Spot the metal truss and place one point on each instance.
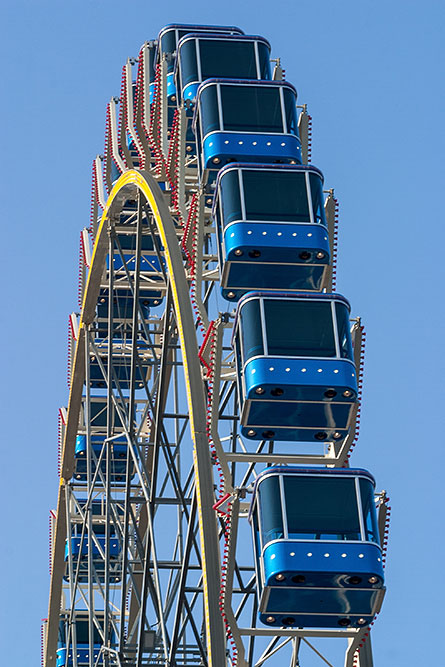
(151, 541)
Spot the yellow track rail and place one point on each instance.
(129, 184)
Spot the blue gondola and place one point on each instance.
(150, 266)
(149, 263)
(317, 549)
(123, 303)
(117, 465)
(79, 546)
(205, 56)
(127, 242)
(79, 551)
(238, 120)
(271, 228)
(296, 374)
(79, 641)
(168, 40)
(202, 56)
(121, 359)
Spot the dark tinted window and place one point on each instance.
(276, 196)
(189, 69)
(168, 46)
(229, 60)
(256, 537)
(317, 198)
(251, 109)
(99, 528)
(344, 334)
(290, 111)
(209, 110)
(168, 42)
(308, 332)
(61, 639)
(264, 58)
(82, 633)
(271, 516)
(230, 197)
(369, 511)
(250, 328)
(321, 508)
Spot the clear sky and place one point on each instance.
(372, 74)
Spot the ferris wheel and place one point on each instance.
(207, 510)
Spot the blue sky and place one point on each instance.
(372, 75)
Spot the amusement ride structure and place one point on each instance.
(207, 511)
